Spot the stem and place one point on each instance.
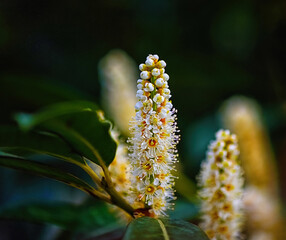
(100, 195)
(117, 200)
(153, 93)
(107, 184)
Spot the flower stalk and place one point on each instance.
(154, 138)
(221, 189)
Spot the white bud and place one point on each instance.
(139, 80)
(149, 62)
(149, 87)
(166, 91)
(156, 72)
(138, 105)
(145, 75)
(161, 64)
(156, 57)
(139, 86)
(142, 67)
(159, 82)
(166, 77)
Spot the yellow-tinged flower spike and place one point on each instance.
(117, 72)
(154, 138)
(262, 206)
(242, 116)
(221, 189)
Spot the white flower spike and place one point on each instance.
(154, 138)
(221, 181)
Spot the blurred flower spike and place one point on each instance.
(221, 193)
(154, 138)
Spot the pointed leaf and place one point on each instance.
(45, 171)
(79, 123)
(147, 228)
(28, 121)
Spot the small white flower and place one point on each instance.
(149, 62)
(156, 72)
(166, 77)
(139, 86)
(159, 82)
(161, 64)
(166, 91)
(163, 113)
(139, 81)
(169, 105)
(149, 87)
(156, 57)
(145, 75)
(158, 98)
(142, 67)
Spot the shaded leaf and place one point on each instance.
(163, 229)
(12, 138)
(88, 216)
(79, 123)
(45, 171)
(28, 121)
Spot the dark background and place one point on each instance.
(213, 49)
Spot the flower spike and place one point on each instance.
(154, 138)
(221, 189)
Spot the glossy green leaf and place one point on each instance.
(79, 123)
(45, 171)
(163, 229)
(12, 138)
(89, 216)
(28, 121)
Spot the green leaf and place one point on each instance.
(45, 171)
(12, 138)
(79, 123)
(163, 229)
(91, 215)
(29, 121)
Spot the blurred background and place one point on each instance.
(50, 51)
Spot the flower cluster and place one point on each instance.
(243, 116)
(117, 72)
(152, 151)
(221, 193)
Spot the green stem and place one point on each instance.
(153, 93)
(107, 184)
